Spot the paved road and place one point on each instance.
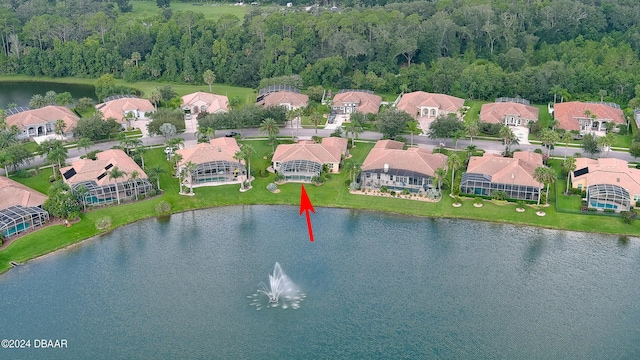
(420, 140)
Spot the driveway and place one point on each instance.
(522, 133)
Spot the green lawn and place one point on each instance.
(38, 182)
(333, 193)
(210, 11)
(474, 109)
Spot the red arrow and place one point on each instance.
(305, 206)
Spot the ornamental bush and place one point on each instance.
(163, 208)
(272, 187)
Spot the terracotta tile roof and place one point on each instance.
(336, 142)
(13, 193)
(285, 97)
(386, 152)
(213, 102)
(517, 170)
(369, 103)
(609, 171)
(568, 113)
(90, 170)
(494, 112)
(43, 115)
(222, 148)
(304, 151)
(116, 108)
(412, 102)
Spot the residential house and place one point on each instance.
(92, 180)
(508, 113)
(587, 117)
(304, 161)
(291, 100)
(390, 166)
(350, 101)
(20, 208)
(124, 108)
(426, 107)
(609, 183)
(491, 172)
(199, 102)
(41, 122)
(215, 163)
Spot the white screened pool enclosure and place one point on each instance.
(481, 185)
(16, 219)
(608, 196)
(300, 170)
(397, 180)
(218, 172)
(92, 194)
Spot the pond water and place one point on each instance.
(377, 286)
(21, 92)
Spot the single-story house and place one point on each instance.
(20, 207)
(198, 102)
(91, 179)
(123, 108)
(350, 101)
(587, 117)
(390, 166)
(420, 104)
(215, 163)
(508, 113)
(609, 183)
(41, 122)
(304, 161)
(514, 176)
(289, 99)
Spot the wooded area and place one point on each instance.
(535, 49)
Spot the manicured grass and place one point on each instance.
(38, 182)
(210, 11)
(474, 109)
(333, 193)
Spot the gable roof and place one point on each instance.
(608, 171)
(517, 170)
(285, 97)
(13, 193)
(215, 103)
(338, 142)
(368, 103)
(568, 114)
(116, 108)
(389, 154)
(98, 170)
(319, 153)
(412, 102)
(218, 149)
(43, 115)
(494, 112)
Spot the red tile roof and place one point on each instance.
(495, 112)
(609, 171)
(43, 115)
(369, 103)
(517, 170)
(13, 193)
(312, 152)
(412, 102)
(116, 108)
(568, 113)
(285, 98)
(213, 102)
(88, 170)
(391, 154)
(223, 148)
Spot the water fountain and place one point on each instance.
(280, 291)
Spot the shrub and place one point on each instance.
(638, 203)
(354, 186)
(499, 195)
(538, 151)
(347, 182)
(272, 187)
(104, 223)
(609, 210)
(628, 216)
(336, 133)
(402, 139)
(392, 193)
(279, 177)
(22, 173)
(318, 179)
(152, 192)
(477, 200)
(405, 191)
(383, 189)
(263, 173)
(92, 154)
(457, 200)
(520, 203)
(163, 208)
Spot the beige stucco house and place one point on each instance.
(609, 183)
(41, 122)
(304, 161)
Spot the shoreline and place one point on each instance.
(483, 220)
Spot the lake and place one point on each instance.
(21, 92)
(377, 286)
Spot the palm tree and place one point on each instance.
(175, 160)
(549, 138)
(457, 135)
(115, 174)
(175, 143)
(135, 57)
(471, 129)
(414, 128)
(248, 150)
(453, 162)
(507, 135)
(270, 128)
(155, 97)
(209, 78)
(37, 101)
(606, 141)
(470, 150)
(190, 167)
(316, 119)
(555, 90)
(544, 175)
(59, 127)
(602, 94)
(134, 176)
(569, 165)
(239, 155)
(440, 174)
(140, 149)
(566, 138)
(354, 170)
(56, 153)
(8, 138)
(86, 144)
(154, 172)
(82, 191)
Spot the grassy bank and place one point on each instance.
(333, 193)
(246, 95)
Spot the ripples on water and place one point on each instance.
(376, 286)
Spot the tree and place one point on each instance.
(508, 137)
(8, 137)
(440, 174)
(62, 202)
(316, 119)
(37, 101)
(606, 141)
(458, 134)
(354, 169)
(163, 4)
(248, 150)
(602, 93)
(154, 173)
(55, 151)
(209, 78)
(549, 138)
(590, 144)
(566, 138)
(544, 175)
(190, 167)
(133, 180)
(270, 128)
(471, 129)
(64, 99)
(135, 57)
(155, 97)
(392, 122)
(444, 127)
(414, 128)
(59, 127)
(174, 117)
(15, 156)
(569, 165)
(50, 97)
(105, 86)
(239, 155)
(175, 143)
(139, 150)
(453, 162)
(634, 149)
(115, 174)
(168, 130)
(555, 90)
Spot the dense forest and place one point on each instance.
(479, 49)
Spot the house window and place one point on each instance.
(390, 177)
(579, 186)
